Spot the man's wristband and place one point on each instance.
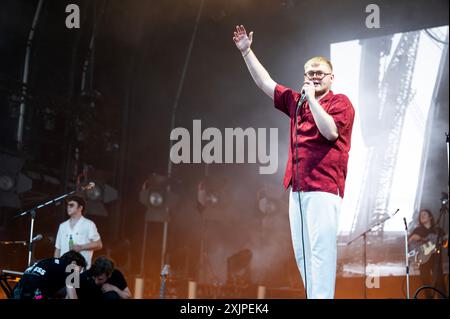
(245, 54)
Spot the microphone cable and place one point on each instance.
(300, 102)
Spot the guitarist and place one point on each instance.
(431, 272)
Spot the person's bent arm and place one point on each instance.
(413, 238)
(257, 71)
(123, 294)
(94, 245)
(324, 121)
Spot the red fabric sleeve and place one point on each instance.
(285, 99)
(341, 109)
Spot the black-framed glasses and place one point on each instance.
(70, 205)
(316, 74)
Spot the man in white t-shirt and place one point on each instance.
(77, 233)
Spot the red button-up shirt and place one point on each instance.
(322, 164)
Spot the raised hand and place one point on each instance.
(242, 41)
(257, 71)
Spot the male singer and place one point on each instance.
(320, 138)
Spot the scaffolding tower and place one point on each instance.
(384, 134)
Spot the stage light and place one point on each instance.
(158, 196)
(101, 192)
(213, 198)
(98, 195)
(269, 199)
(6, 183)
(444, 199)
(206, 196)
(156, 199)
(266, 204)
(12, 181)
(94, 194)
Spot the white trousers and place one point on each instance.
(320, 212)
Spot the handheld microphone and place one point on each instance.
(37, 238)
(302, 99)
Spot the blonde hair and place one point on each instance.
(319, 59)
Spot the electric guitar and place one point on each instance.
(422, 251)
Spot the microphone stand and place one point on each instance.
(364, 236)
(440, 223)
(448, 169)
(406, 258)
(32, 213)
(448, 172)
